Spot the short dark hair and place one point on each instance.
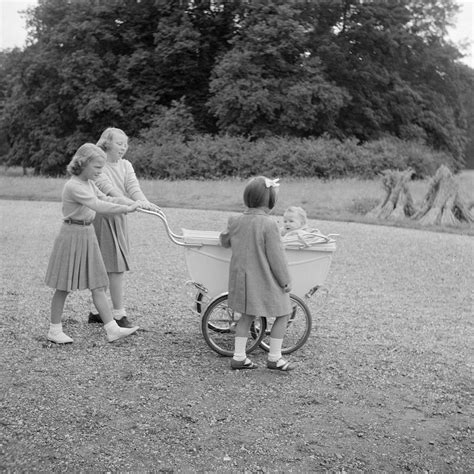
(256, 194)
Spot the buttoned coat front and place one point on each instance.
(258, 269)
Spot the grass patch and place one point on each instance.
(339, 200)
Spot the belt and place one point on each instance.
(72, 221)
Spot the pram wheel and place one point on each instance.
(218, 328)
(297, 331)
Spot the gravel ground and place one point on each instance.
(383, 384)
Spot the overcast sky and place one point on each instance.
(12, 31)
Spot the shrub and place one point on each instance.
(170, 123)
(177, 156)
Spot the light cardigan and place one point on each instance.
(81, 200)
(120, 176)
(258, 270)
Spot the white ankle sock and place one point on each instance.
(112, 327)
(239, 350)
(55, 328)
(275, 349)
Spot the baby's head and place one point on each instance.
(261, 192)
(294, 218)
(112, 136)
(83, 156)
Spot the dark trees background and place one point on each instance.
(342, 69)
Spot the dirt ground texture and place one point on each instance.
(384, 382)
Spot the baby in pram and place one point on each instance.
(296, 230)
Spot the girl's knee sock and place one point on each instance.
(240, 346)
(275, 349)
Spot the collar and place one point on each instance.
(76, 178)
(257, 211)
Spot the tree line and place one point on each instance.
(342, 69)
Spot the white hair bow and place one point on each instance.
(272, 183)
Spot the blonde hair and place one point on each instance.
(299, 212)
(83, 156)
(107, 136)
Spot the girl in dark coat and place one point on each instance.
(259, 280)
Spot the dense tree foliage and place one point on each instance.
(467, 99)
(344, 69)
(268, 83)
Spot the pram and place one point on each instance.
(208, 266)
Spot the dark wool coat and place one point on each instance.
(258, 268)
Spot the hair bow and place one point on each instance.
(272, 183)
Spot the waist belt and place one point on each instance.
(73, 221)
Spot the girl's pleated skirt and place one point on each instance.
(112, 234)
(76, 261)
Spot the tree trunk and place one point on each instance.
(398, 202)
(443, 204)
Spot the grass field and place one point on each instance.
(384, 383)
(344, 199)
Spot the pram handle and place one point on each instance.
(175, 238)
(180, 240)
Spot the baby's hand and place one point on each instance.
(287, 288)
(133, 207)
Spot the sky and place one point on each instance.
(12, 31)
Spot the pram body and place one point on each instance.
(208, 267)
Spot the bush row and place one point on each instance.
(217, 157)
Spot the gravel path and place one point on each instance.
(384, 382)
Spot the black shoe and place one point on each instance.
(124, 322)
(94, 318)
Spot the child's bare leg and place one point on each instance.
(243, 326)
(116, 294)
(114, 331)
(100, 302)
(55, 333)
(57, 305)
(279, 327)
(275, 360)
(116, 289)
(239, 360)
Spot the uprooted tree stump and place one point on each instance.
(398, 202)
(443, 204)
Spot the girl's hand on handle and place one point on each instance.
(155, 208)
(142, 204)
(149, 206)
(133, 207)
(152, 207)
